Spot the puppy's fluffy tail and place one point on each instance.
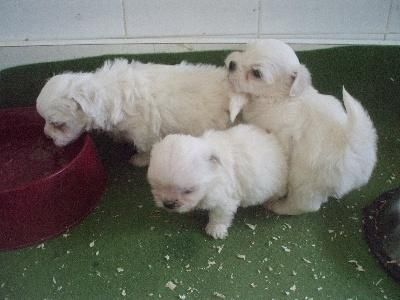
(360, 154)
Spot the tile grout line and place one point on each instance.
(259, 19)
(387, 20)
(124, 17)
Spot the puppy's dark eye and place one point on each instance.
(232, 66)
(188, 191)
(58, 125)
(256, 73)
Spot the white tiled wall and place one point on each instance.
(122, 24)
(22, 20)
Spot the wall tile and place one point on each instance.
(58, 19)
(323, 16)
(394, 18)
(191, 17)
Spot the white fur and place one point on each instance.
(139, 102)
(331, 150)
(218, 172)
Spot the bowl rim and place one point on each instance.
(85, 143)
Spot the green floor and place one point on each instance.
(129, 249)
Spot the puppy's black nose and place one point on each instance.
(170, 204)
(232, 66)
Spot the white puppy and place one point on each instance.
(331, 151)
(139, 102)
(219, 172)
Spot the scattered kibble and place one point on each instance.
(359, 268)
(219, 295)
(170, 285)
(306, 260)
(219, 248)
(241, 256)
(252, 227)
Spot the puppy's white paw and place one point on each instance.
(217, 231)
(140, 159)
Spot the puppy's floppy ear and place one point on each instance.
(236, 104)
(90, 99)
(301, 81)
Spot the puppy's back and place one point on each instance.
(259, 163)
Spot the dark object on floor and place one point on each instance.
(44, 189)
(382, 230)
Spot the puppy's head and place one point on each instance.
(181, 172)
(60, 103)
(267, 68)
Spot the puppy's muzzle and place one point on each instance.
(171, 204)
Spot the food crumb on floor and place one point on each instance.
(170, 285)
(306, 260)
(219, 248)
(241, 256)
(219, 295)
(359, 268)
(251, 226)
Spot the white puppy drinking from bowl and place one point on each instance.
(331, 150)
(218, 172)
(140, 103)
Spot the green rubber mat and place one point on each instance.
(129, 249)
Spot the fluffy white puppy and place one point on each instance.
(218, 172)
(138, 102)
(331, 150)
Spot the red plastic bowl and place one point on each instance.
(44, 190)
